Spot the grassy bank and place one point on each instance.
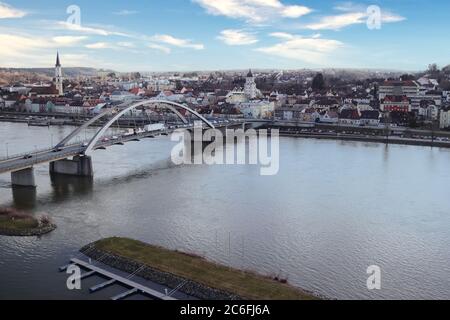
(16, 223)
(242, 283)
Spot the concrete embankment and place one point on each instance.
(384, 140)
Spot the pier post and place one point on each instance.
(78, 166)
(23, 178)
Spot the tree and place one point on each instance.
(445, 85)
(318, 82)
(433, 68)
(407, 77)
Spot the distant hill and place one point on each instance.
(9, 75)
(69, 72)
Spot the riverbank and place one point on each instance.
(18, 224)
(374, 139)
(203, 279)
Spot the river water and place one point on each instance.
(334, 209)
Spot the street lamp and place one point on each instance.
(7, 151)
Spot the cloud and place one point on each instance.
(125, 12)
(309, 49)
(353, 14)
(237, 37)
(62, 25)
(339, 21)
(99, 45)
(68, 40)
(253, 11)
(8, 12)
(159, 47)
(182, 43)
(127, 46)
(29, 50)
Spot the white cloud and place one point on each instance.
(125, 12)
(353, 14)
(237, 37)
(388, 17)
(126, 44)
(62, 25)
(112, 46)
(282, 35)
(8, 12)
(254, 11)
(339, 21)
(182, 43)
(309, 49)
(159, 47)
(68, 40)
(28, 50)
(99, 45)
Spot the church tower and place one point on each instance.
(250, 89)
(58, 76)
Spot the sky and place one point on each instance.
(188, 35)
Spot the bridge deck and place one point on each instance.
(28, 160)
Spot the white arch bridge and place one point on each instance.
(22, 166)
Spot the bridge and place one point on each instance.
(21, 166)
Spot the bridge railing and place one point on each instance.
(37, 151)
(23, 154)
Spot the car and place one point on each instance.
(105, 140)
(57, 150)
(28, 156)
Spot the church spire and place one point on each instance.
(58, 64)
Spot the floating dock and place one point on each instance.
(133, 286)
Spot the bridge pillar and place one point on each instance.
(23, 178)
(78, 166)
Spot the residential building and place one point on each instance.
(398, 88)
(395, 103)
(350, 117)
(370, 118)
(444, 118)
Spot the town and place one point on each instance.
(416, 101)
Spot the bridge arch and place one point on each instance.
(123, 110)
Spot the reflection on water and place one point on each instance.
(24, 197)
(66, 187)
(333, 210)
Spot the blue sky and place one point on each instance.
(160, 35)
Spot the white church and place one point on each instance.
(58, 81)
(250, 101)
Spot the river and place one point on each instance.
(333, 209)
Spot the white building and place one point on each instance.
(444, 118)
(257, 109)
(398, 88)
(122, 96)
(249, 93)
(250, 89)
